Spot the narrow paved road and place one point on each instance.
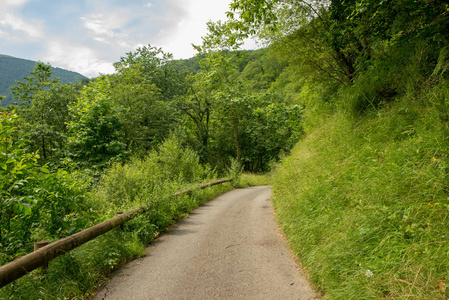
(230, 248)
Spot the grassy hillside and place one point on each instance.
(12, 69)
(364, 201)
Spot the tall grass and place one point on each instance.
(364, 200)
(250, 179)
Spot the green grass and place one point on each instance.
(364, 201)
(250, 179)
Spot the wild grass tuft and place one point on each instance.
(365, 202)
(250, 179)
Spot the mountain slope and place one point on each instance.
(12, 69)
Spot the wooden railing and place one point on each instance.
(25, 264)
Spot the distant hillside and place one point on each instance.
(12, 69)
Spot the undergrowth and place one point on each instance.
(364, 200)
(141, 182)
(76, 274)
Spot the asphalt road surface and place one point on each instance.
(230, 248)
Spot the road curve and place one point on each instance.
(230, 248)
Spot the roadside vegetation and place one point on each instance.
(68, 202)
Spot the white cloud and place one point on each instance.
(4, 3)
(97, 24)
(149, 4)
(108, 28)
(80, 59)
(101, 39)
(191, 26)
(124, 44)
(18, 24)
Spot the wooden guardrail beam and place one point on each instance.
(25, 264)
(201, 187)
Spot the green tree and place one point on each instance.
(44, 107)
(229, 113)
(143, 88)
(262, 128)
(198, 103)
(95, 129)
(17, 168)
(335, 38)
(155, 68)
(38, 81)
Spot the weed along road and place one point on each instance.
(230, 248)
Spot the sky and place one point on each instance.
(87, 36)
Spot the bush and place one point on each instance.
(35, 203)
(160, 173)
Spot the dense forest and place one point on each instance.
(360, 87)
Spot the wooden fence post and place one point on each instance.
(39, 245)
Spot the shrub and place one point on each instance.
(161, 172)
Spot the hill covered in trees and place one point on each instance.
(14, 69)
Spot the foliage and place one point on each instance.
(187, 66)
(37, 82)
(235, 172)
(227, 109)
(197, 105)
(155, 68)
(143, 87)
(52, 204)
(18, 169)
(262, 70)
(95, 128)
(142, 114)
(44, 108)
(35, 203)
(337, 39)
(160, 173)
(264, 129)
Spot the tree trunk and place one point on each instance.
(43, 147)
(239, 159)
(1, 222)
(256, 168)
